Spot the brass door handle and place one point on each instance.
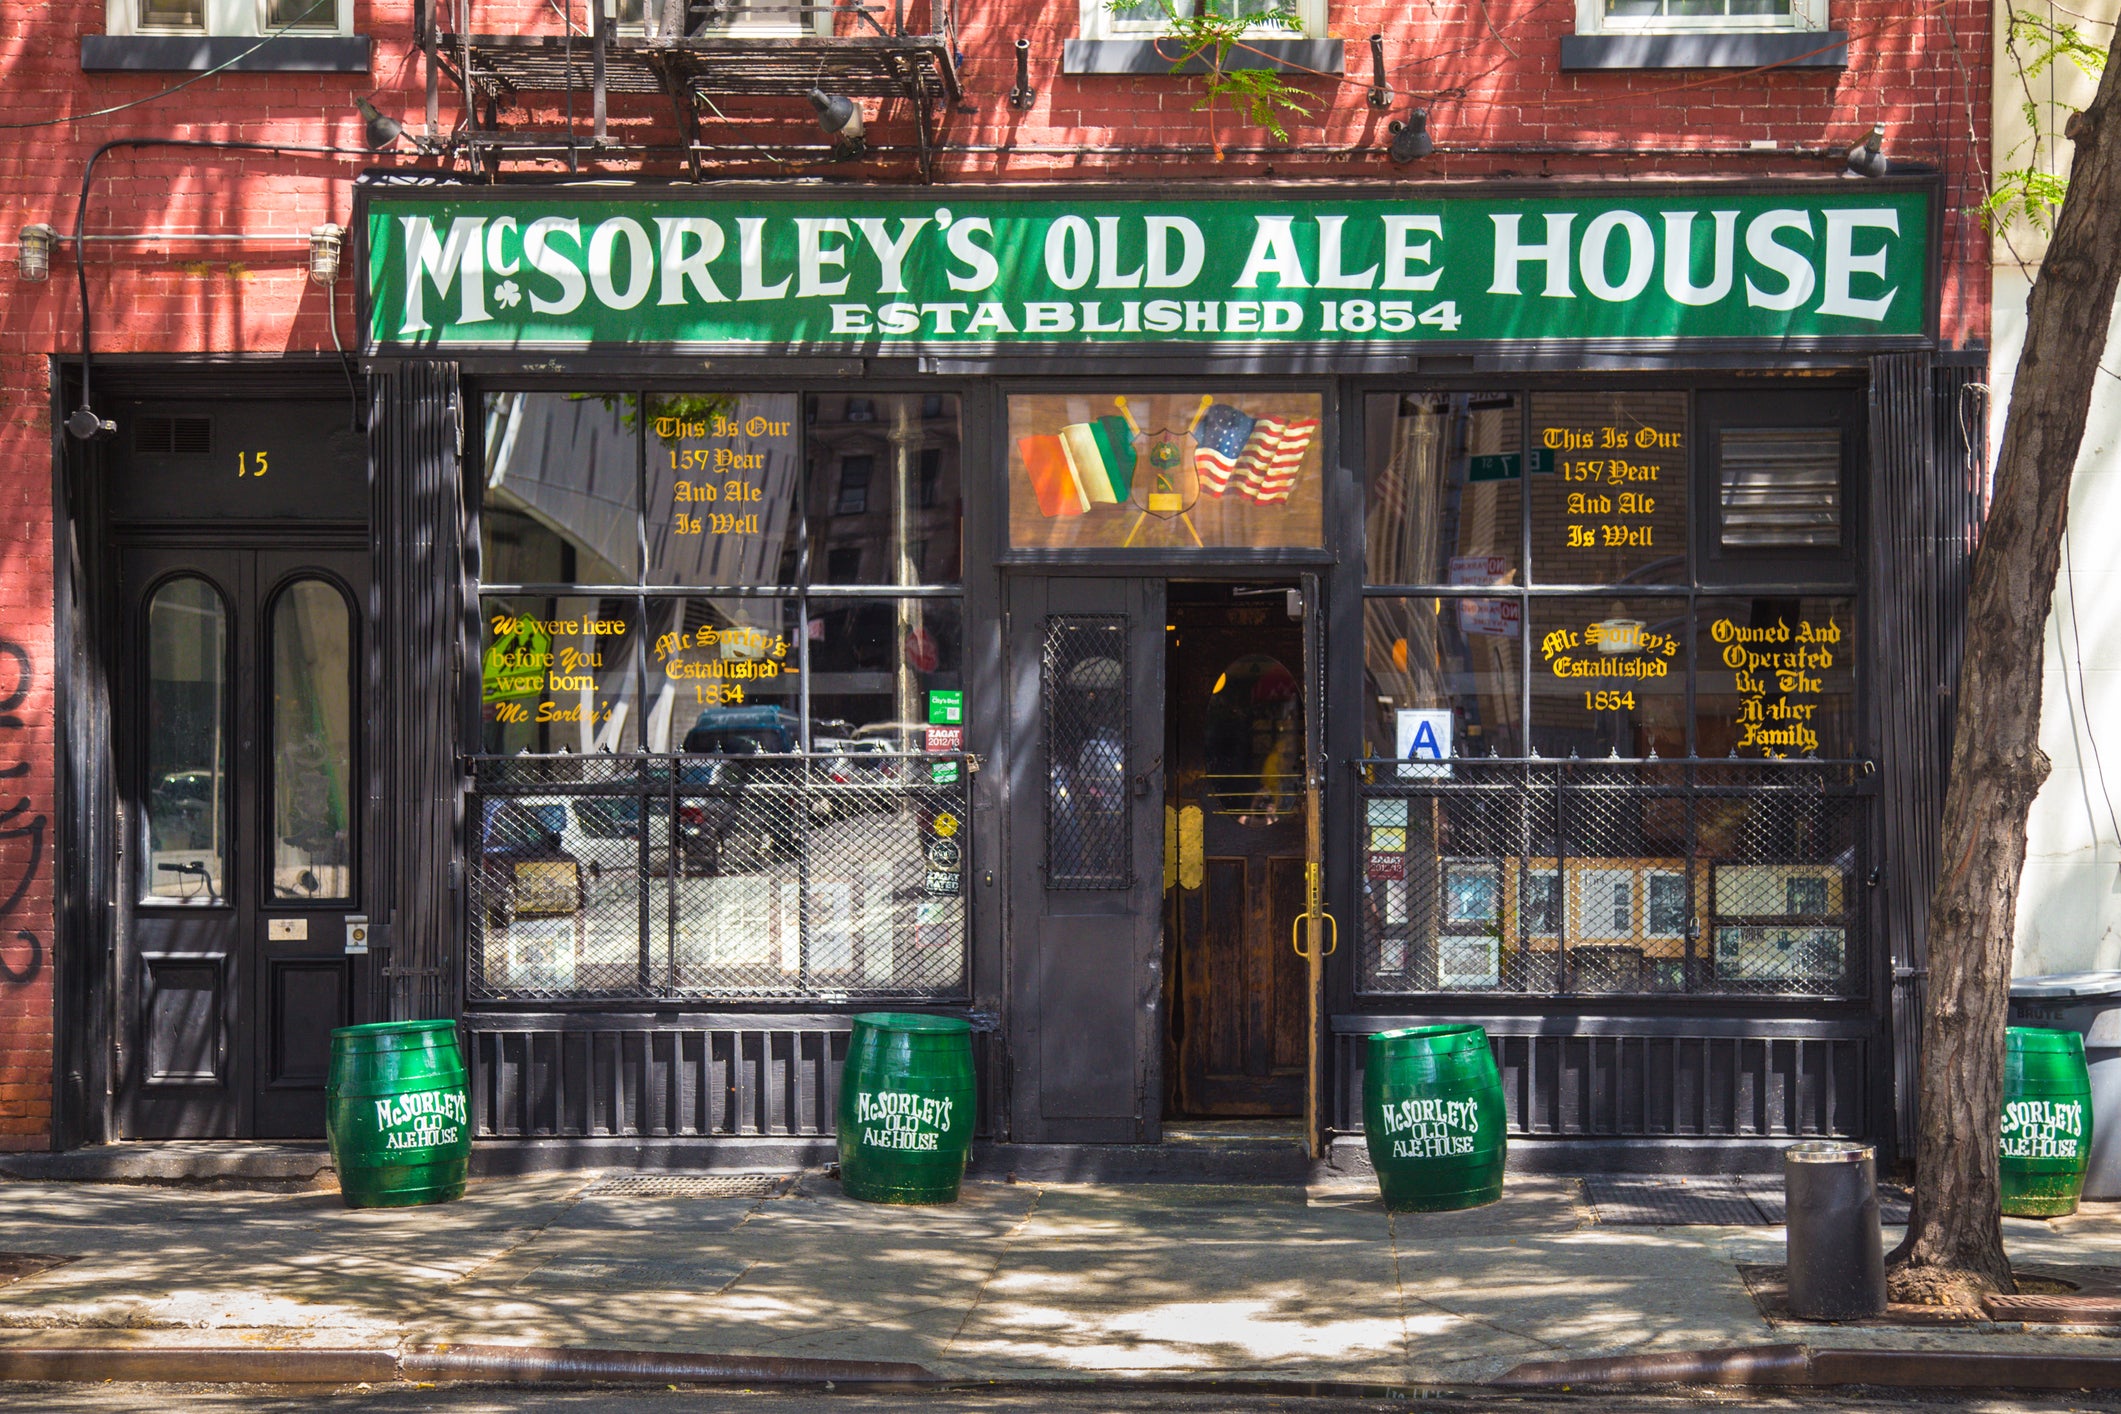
(1296, 929)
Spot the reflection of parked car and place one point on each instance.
(743, 807)
(527, 870)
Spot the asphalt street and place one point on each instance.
(1087, 1398)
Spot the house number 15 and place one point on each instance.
(250, 464)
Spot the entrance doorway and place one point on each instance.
(1235, 1005)
(239, 569)
(238, 731)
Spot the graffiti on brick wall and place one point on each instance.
(22, 960)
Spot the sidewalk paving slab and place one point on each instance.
(1015, 1281)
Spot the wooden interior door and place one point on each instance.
(1234, 871)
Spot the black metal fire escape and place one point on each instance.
(693, 54)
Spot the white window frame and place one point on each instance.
(780, 27)
(1805, 16)
(241, 19)
(1099, 22)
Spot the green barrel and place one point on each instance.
(1433, 1115)
(906, 1108)
(2047, 1121)
(398, 1113)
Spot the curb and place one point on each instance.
(1798, 1365)
(458, 1364)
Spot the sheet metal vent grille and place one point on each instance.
(166, 435)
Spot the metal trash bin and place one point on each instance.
(1836, 1255)
(2088, 1003)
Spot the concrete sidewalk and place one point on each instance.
(1015, 1281)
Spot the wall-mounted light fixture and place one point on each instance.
(1410, 140)
(1380, 91)
(34, 262)
(379, 130)
(324, 244)
(1867, 158)
(1023, 95)
(841, 119)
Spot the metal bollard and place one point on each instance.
(1836, 1256)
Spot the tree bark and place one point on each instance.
(1954, 1246)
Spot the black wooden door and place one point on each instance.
(1085, 780)
(238, 731)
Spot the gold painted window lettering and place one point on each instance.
(1609, 676)
(1777, 677)
(723, 477)
(557, 673)
(1615, 509)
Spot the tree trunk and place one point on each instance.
(1954, 1246)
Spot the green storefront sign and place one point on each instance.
(849, 271)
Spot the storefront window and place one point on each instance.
(559, 500)
(1609, 676)
(719, 781)
(1162, 471)
(558, 673)
(1445, 502)
(1674, 802)
(1777, 677)
(1615, 509)
(885, 500)
(1443, 678)
(876, 665)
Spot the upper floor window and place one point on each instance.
(1146, 19)
(229, 17)
(1697, 16)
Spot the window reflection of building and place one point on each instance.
(884, 472)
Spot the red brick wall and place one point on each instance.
(1486, 69)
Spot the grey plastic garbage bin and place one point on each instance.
(2088, 1003)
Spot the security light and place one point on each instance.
(1410, 140)
(1867, 158)
(324, 243)
(35, 261)
(841, 121)
(380, 130)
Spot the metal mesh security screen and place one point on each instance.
(1083, 688)
(1579, 877)
(716, 876)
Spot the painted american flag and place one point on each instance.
(1259, 456)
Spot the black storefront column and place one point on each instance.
(416, 437)
(1928, 478)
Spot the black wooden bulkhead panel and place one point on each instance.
(603, 1076)
(1669, 1078)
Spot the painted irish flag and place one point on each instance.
(1085, 464)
